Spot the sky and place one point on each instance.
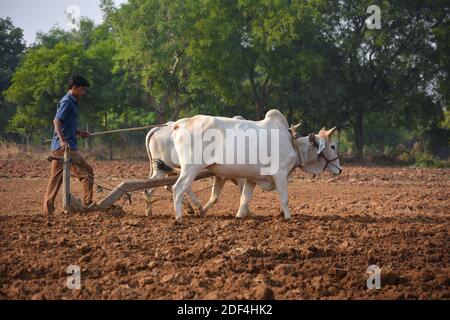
(33, 16)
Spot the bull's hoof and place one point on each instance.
(199, 212)
(189, 210)
(178, 221)
(282, 215)
(240, 216)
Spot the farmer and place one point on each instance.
(65, 136)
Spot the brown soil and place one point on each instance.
(396, 218)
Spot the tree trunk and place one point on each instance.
(27, 137)
(161, 116)
(260, 104)
(359, 136)
(290, 118)
(160, 107)
(108, 139)
(339, 137)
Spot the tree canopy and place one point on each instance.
(317, 61)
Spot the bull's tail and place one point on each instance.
(147, 147)
(162, 166)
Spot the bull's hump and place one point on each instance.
(275, 114)
(189, 123)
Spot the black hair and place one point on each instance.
(78, 81)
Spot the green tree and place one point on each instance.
(39, 83)
(151, 51)
(242, 50)
(41, 80)
(26, 122)
(387, 70)
(11, 50)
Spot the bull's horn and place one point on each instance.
(323, 129)
(295, 127)
(330, 132)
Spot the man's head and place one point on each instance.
(78, 86)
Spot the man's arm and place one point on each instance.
(58, 129)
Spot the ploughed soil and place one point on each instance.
(396, 218)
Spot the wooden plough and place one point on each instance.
(73, 204)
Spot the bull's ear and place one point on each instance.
(321, 145)
(330, 132)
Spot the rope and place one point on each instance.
(126, 196)
(100, 188)
(126, 130)
(93, 134)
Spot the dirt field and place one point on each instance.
(396, 218)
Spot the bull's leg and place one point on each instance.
(196, 202)
(281, 183)
(184, 182)
(246, 195)
(218, 184)
(241, 183)
(149, 192)
(186, 204)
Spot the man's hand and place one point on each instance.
(64, 144)
(83, 134)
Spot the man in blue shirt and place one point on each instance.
(65, 136)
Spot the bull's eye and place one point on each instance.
(333, 147)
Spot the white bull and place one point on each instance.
(164, 161)
(313, 153)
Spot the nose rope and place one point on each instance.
(329, 161)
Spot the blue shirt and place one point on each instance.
(67, 113)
